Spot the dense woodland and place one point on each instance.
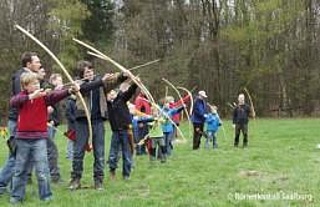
(271, 47)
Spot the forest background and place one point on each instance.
(270, 47)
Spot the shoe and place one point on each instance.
(112, 174)
(56, 180)
(98, 185)
(47, 199)
(29, 182)
(126, 177)
(163, 159)
(75, 184)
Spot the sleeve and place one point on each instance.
(18, 100)
(55, 96)
(184, 100)
(89, 86)
(129, 93)
(234, 119)
(109, 84)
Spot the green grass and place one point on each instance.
(281, 161)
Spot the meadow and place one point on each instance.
(279, 168)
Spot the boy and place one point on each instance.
(120, 121)
(157, 137)
(71, 118)
(240, 120)
(31, 135)
(213, 122)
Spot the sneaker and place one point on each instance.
(75, 184)
(47, 199)
(98, 185)
(56, 180)
(163, 159)
(126, 177)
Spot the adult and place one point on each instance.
(30, 62)
(94, 89)
(198, 118)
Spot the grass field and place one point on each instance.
(279, 168)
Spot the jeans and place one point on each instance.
(80, 143)
(28, 150)
(120, 139)
(70, 149)
(52, 151)
(7, 171)
(168, 142)
(211, 137)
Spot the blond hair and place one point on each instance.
(54, 76)
(27, 78)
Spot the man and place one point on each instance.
(30, 63)
(94, 89)
(240, 120)
(198, 118)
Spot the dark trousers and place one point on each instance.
(98, 145)
(197, 134)
(53, 154)
(142, 132)
(238, 129)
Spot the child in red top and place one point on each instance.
(31, 135)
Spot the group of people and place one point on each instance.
(144, 127)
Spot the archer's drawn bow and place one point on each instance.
(180, 97)
(120, 67)
(67, 75)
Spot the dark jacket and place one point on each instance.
(241, 114)
(94, 93)
(118, 111)
(71, 112)
(15, 89)
(199, 110)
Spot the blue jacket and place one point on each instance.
(199, 110)
(212, 122)
(167, 126)
(139, 119)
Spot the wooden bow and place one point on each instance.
(67, 75)
(168, 117)
(180, 97)
(253, 112)
(123, 69)
(191, 98)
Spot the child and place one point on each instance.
(120, 122)
(213, 122)
(31, 135)
(71, 118)
(157, 137)
(54, 120)
(167, 126)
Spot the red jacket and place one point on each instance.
(142, 104)
(185, 100)
(33, 115)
